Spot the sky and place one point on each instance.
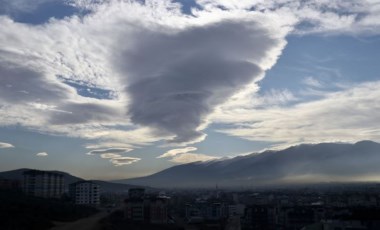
(114, 89)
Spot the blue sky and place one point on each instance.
(118, 89)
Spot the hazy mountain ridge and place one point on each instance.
(306, 163)
(106, 186)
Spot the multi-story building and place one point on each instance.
(236, 210)
(43, 184)
(142, 208)
(85, 192)
(8, 184)
(259, 217)
(206, 210)
(158, 208)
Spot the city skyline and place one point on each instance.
(119, 89)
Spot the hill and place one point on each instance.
(106, 187)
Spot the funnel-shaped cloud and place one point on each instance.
(176, 78)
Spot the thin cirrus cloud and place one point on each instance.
(17, 6)
(334, 16)
(349, 115)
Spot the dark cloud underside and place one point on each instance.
(176, 79)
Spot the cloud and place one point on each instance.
(174, 152)
(42, 154)
(191, 157)
(275, 97)
(110, 155)
(177, 79)
(36, 72)
(167, 71)
(312, 82)
(16, 6)
(309, 16)
(183, 155)
(349, 115)
(115, 155)
(120, 161)
(24, 84)
(110, 151)
(4, 145)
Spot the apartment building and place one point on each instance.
(44, 184)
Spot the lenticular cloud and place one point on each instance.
(177, 77)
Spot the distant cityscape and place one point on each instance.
(318, 207)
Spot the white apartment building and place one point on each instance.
(85, 192)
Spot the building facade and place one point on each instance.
(142, 208)
(7, 184)
(43, 184)
(85, 192)
(206, 211)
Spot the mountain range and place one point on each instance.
(302, 164)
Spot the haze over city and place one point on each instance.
(117, 89)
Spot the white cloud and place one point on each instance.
(326, 16)
(115, 155)
(275, 97)
(174, 152)
(110, 155)
(120, 161)
(191, 157)
(42, 154)
(183, 155)
(82, 50)
(350, 115)
(4, 145)
(109, 151)
(312, 82)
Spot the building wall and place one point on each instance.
(159, 211)
(141, 208)
(43, 184)
(85, 192)
(10, 184)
